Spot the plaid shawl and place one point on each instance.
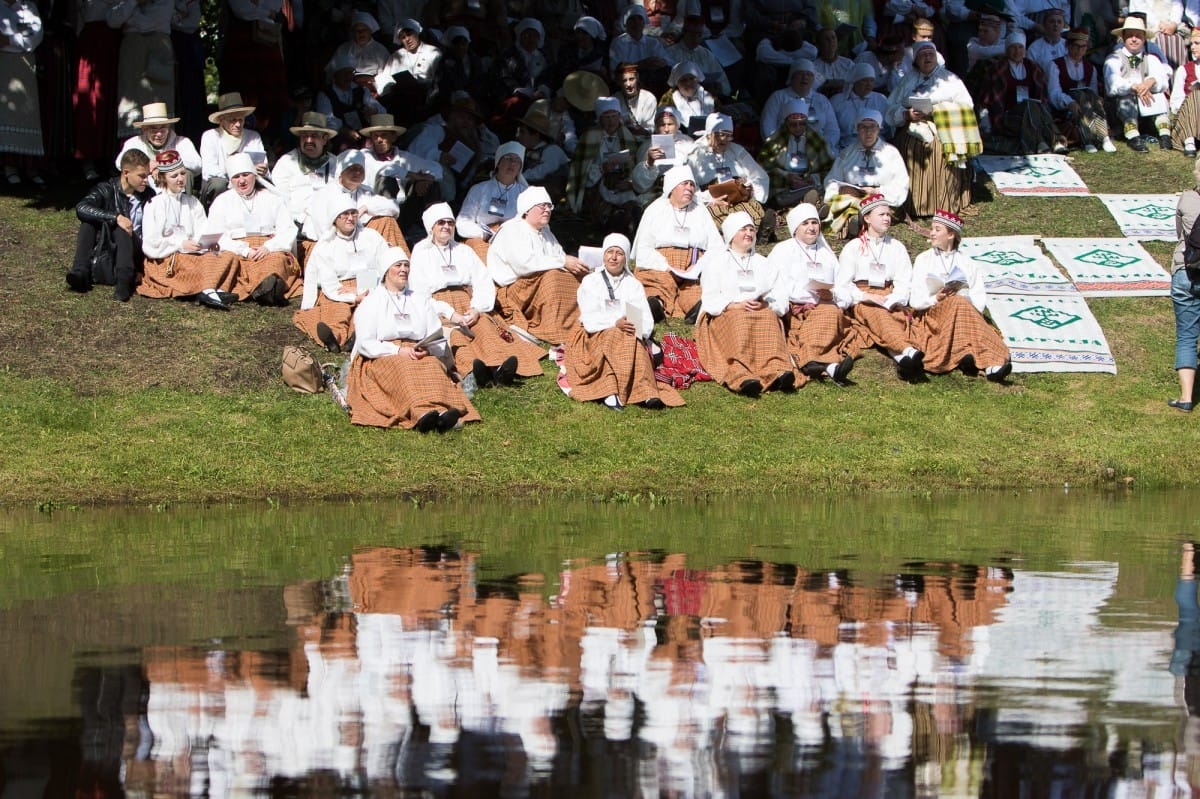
(1000, 87)
(586, 152)
(680, 363)
(957, 130)
(815, 149)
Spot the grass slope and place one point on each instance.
(159, 401)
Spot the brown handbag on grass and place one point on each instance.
(301, 372)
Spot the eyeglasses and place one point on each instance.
(446, 222)
(545, 206)
(723, 134)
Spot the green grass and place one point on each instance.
(159, 402)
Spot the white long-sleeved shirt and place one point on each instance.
(598, 311)
(644, 174)
(1044, 52)
(627, 50)
(939, 86)
(518, 250)
(820, 113)
(319, 224)
(486, 204)
(434, 268)
(876, 261)
(941, 265)
(800, 263)
(213, 154)
(640, 110)
(848, 108)
(663, 225)
(22, 25)
(337, 258)
(168, 221)
(263, 214)
(886, 173)
(186, 18)
(181, 144)
(708, 166)
(255, 10)
(702, 57)
(1059, 98)
(1179, 87)
(324, 104)
(422, 65)
(727, 277)
(385, 317)
(1120, 78)
(300, 186)
(397, 164)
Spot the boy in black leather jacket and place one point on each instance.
(108, 248)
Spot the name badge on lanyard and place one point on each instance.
(1022, 94)
(613, 304)
(724, 173)
(877, 275)
(746, 283)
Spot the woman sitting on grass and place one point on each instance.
(948, 298)
(606, 358)
(874, 274)
(341, 269)
(256, 226)
(458, 281)
(176, 263)
(396, 380)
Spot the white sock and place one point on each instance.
(831, 369)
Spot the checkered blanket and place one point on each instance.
(1110, 267)
(1033, 175)
(1143, 216)
(1051, 334)
(1015, 265)
(957, 130)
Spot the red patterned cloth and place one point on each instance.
(680, 365)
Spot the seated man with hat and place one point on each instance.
(157, 135)
(1138, 83)
(1072, 82)
(536, 281)
(546, 163)
(459, 140)
(398, 174)
(346, 102)
(302, 172)
(229, 137)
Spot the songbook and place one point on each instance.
(462, 155)
(208, 241)
(591, 257)
(634, 314)
(1158, 105)
(922, 104)
(691, 273)
(666, 143)
(955, 282)
(436, 337)
(725, 51)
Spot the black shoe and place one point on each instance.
(813, 369)
(264, 292)
(209, 299)
(1001, 373)
(79, 281)
(482, 373)
(447, 420)
(785, 382)
(656, 309)
(227, 297)
(349, 345)
(1164, 141)
(1137, 144)
(428, 422)
(911, 366)
(325, 334)
(123, 291)
(750, 388)
(654, 404)
(506, 372)
(279, 294)
(967, 365)
(692, 315)
(842, 370)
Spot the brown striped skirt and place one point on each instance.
(281, 264)
(953, 329)
(389, 228)
(338, 315)
(545, 304)
(396, 391)
(822, 333)
(613, 362)
(187, 274)
(493, 342)
(879, 327)
(678, 296)
(740, 345)
(933, 182)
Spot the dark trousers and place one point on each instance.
(126, 259)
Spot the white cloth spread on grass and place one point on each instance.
(1033, 175)
(1110, 267)
(1143, 216)
(1015, 265)
(1051, 334)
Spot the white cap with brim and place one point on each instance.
(800, 214)
(680, 173)
(1016, 37)
(681, 69)
(534, 195)
(733, 223)
(591, 26)
(434, 214)
(717, 121)
(797, 106)
(351, 158)
(862, 71)
(510, 148)
(616, 240)
(364, 18)
(871, 114)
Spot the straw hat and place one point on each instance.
(581, 88)
(461, 101)
(382, 122)
(155, 114)
(538, 120)
(230, 105)
(313, 122)
(1132, 24)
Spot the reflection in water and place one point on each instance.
(638, 676)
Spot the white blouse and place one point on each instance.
(168, 221)
(877, 262)
(434, 268)
(600, 311)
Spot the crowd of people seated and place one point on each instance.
(682, 137)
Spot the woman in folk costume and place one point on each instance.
(491, 203)
(176, 263)
(935, 145)
(1016, 103)
(869, 166)
(256, 226)
(718, 160)
(1185, 100)
(457, 279)
(375, 212)
(341, 269)
(691, 100)
(796, 157)
(1073, 83)
(599, 185)
(948, 298)
(536, 281)
(20, 117)
(874, 275)
(820, 337)
(393, 382)
(1137, 83)
(229, 137)
(675, 232)
(607, 359)
(739, 334)
(652, 162)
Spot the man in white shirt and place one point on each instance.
(157, 135)
(309, 168)
(1138, 82)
